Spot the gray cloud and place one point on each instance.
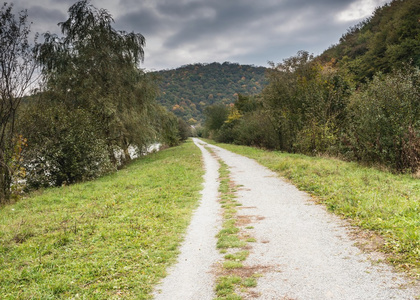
(145, 21)
(245, 31)
(48, 16)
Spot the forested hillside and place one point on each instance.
(359, 100)
(188, 90)
(388, 39)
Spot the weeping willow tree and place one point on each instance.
(95, 67)
(94, 103)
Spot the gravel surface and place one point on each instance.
(193, 277)
(301, 251)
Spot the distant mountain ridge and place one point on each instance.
(188, 90)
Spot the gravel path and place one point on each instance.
(302, 251)
(193, 277)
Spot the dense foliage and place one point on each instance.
(360, 100)
(388, 39)
(93, 67)
(188, 90)
(384, 121)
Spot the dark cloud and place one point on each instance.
(228, 17)
(248, 18)
(181, 10)
(50, 16)
(145, 21)
(245, 31)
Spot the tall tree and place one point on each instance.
(17, 67)
(95, 67)
(306, 103)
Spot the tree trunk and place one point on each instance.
(5, 182)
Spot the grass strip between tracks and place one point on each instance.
(232, 241)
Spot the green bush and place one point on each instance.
(62, 148)
(227, 133)
(384, 125)
(184, 129)
(316, 138)
(256, 129)
(306, 102)
(216, 115)
(169, 128)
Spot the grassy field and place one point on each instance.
(110, 238)
(378, 201)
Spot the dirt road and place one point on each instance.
(303, 252)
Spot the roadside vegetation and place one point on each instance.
(378, 201)
(313, 109)
(359, 100)
(109, 238)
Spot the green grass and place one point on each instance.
(229, 238)
(229, 241)
(232, 264)
(249, 282)
(379, 201)
(251, 240)
(238, 256)
(225, 287)
(105, 239)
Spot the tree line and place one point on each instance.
(354, 101)
(90, 105)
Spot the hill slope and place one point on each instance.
(386, 40)
(187, 90)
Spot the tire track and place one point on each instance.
(192, 277)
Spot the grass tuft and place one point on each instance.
(237, 256)
(225, 287)
(232, 264)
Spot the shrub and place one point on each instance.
(384, 123)
(62, 148)
(256, 129)
(316, 138)
(227, 132)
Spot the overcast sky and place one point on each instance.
(180, 32)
